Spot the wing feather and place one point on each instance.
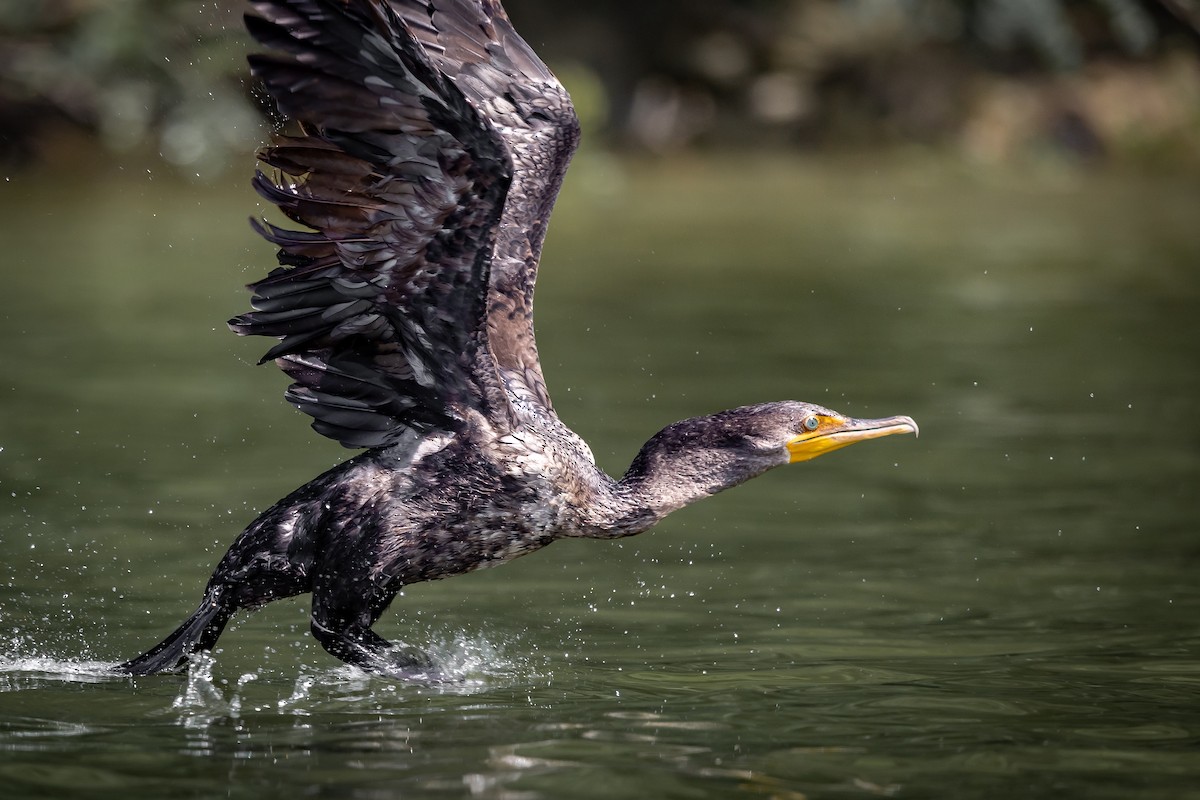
(474, 43)
(400, 182)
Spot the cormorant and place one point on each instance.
(427, 147)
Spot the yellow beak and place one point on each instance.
(834, 433)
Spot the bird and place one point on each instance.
(420, 146)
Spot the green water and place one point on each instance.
(1005, 607)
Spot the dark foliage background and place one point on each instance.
(995, 79)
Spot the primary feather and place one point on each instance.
(408, 299)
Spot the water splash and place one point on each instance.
(30, 672)
(455, 664)
(200, 693)
(473, 661)
(201, 700)
(27, 663)
(458, 664)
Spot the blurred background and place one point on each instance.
(979, 213)
(991, 80)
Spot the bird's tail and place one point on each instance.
(198, 632)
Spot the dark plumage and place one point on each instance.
(427, 148)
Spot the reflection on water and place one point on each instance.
(1006, 605)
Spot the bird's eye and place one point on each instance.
(811, 423)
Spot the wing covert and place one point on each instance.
(474, 43)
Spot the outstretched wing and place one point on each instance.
(380, 306)
(474, 43)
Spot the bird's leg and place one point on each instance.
(347, 635)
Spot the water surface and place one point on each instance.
(1006, 606)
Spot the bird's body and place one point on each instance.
(432, 142)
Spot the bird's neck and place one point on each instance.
(675, 468)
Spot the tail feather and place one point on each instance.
(198, 632)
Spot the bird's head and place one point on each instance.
(728, 447)
(773, 434)
(808, 431)
(701, 456)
